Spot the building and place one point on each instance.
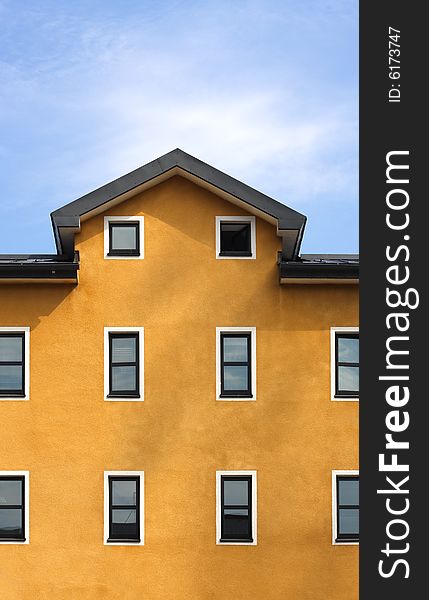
(178, 393)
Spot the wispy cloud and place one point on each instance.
(95, 95)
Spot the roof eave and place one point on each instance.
(39, 272)
(300, 272)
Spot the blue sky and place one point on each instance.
(265, 90)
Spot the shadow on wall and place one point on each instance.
(27, 304)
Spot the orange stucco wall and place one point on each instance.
(66, 435)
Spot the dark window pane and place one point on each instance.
(124, 349)
(124, 492)
(124, 524)
(235, 524)
(348, 491)
(124, 237)
(235, 492)
(10, 377)
(348, 350)
(10, 349)
(348, 379)
(235, 237)
(123, 379)
(235, 378)
(235, 349)
(348, 521)
(11, 522)
(10, 492)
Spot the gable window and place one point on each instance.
(124, 357)
(124, 507)
(235, 237)
(123, 237)
(13, 507)
(14, 367)
(345, 363)
(346, 507)
(236, 507)
(236, 363)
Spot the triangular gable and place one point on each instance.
(66, 220)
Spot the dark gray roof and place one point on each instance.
(40, 267)
(329, 257)
(31, 258)
(327, 267)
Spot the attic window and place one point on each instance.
(123, 237)
(235, 237)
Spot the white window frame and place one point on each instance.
(252, 331)
(140, 331)
(26, 332)
(108, 474)
(334, 331)
(252, 221)
(26, 475)
(335, 474)
(252, 474)
(108, 220)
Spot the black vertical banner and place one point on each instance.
(394, 240)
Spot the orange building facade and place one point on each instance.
(178, 398)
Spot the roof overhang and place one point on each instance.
(320, 270)
(38, 269)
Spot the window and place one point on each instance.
(124, 360)
(345, 493)
(236, 363)
(123, 379)
(124, 507)
(14, 507)
(123, 237)
(14, 363)
(235, 237)
(344, 363)
(236, 507)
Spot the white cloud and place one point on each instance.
(246, 134)
(105, 96)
